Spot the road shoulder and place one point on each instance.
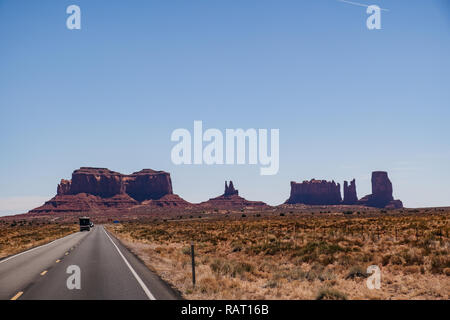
(159, 288)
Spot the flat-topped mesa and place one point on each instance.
(148, 184)
(94, 189)
(143, 185)
(99, 182)
(230, 190)
(381, 196)
(381, 185)
(315, 192)
(350, 196)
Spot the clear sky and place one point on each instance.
(347, 100)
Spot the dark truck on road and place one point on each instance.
(85, 224)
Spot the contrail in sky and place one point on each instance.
(358, 4)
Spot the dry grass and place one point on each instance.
(18, 236)
(292, 257)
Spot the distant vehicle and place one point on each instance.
(85, 224)
(92, 225)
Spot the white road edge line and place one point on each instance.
(42, 246)
(139, 280)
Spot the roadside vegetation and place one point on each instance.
(20, 235)
(295, 257)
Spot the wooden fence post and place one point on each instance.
(193, 263)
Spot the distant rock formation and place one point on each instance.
(229, 190)
(230, 199)
(381, 196)
(143, 185)
(148, 184)
(99, 182)
(63, 187)
(169, 200)
(322, 192)
(100, 188)
(350, 196)
(315, 192)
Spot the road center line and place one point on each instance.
(17, 295)
(139, 280)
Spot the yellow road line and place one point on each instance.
(43, 273)
(17, 296)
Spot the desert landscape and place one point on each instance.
(300, 254)
(217, 159)
(314, 246)
(296, 252)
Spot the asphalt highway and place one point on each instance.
(89, 265)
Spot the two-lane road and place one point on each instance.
(108, 270)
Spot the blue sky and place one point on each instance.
(347, 100)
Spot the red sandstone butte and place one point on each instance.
(95, 189)
(230, 199)
(315, 192)
(350, 196)
(381, 196)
